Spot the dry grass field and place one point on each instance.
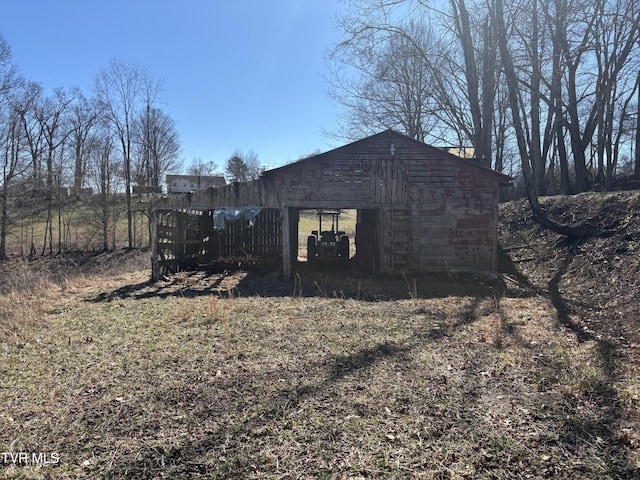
(332, 375)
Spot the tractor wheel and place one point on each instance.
(312, 248)
(344, 247)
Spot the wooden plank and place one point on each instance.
(153, 225)
(286, 245)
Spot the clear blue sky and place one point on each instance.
(241, 74)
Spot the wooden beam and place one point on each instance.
(286, 243)
(153, 238)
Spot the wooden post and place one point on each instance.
(286, 243)
(181, 246)
(494, 234)
(153, 238)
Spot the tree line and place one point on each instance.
(106, 140)
(544, 90)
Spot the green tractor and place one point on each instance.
(328, 244)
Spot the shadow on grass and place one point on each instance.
(563, 309)
(245, 423)
(593, 414)
(348, 364)
(237, 446)
(343, 285)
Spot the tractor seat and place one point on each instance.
(328, 237)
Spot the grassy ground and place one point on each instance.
(73, 228)
(328, 376)
(127, 379)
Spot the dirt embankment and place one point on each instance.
(594, 282)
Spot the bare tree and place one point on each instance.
(83, 119)
(102, 175)
(636, 169)
(50, 113)
(480, 74)
(539, 214)
(11, 136)
(243, 167)
(396, 69)
(26, 106)
(12, 160)
(51, 116)
(616, 33)
(556, 26)
(202, 168)
(393, 87)
(119, 88)
(157, 146)
(8, 72)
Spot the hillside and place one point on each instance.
(332, 375)
(594, 283)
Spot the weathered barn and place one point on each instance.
(419, 209)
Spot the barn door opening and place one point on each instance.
(326, 234)
(361, 227)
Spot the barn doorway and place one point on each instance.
(323, 233)
(318, 227)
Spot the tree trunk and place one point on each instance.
(126, 147)
(636, 170)
(577, 146)
(488, 91)
(539, 215)
(537, 161)
(556, 100)
(3, 222)
(480, 131)
(78, 171)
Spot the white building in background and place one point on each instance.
(192, 183)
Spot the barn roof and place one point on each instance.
(399, 137)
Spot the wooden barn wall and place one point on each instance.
(453, 214)
(435, 211)
(344, 178)
(357, 176)
(440, 212)
(261, 241)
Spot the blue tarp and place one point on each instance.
(222, 216)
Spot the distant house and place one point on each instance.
(462, 152)
(192, 183)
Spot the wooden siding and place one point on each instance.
(434, 210)
(186, 238)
